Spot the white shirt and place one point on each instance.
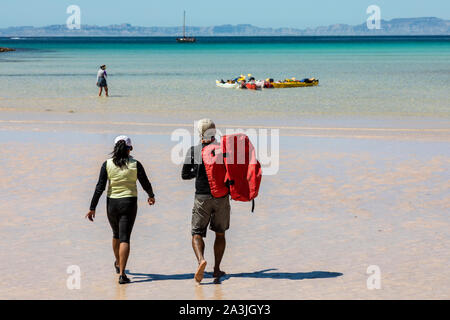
(101, 74)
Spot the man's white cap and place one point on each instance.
(206, 128)
(124, 138)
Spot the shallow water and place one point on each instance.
(393, 76)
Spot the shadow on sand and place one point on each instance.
(263, 274)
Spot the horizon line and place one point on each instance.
(239, 36)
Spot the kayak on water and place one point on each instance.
(292, 83)
(253, 84)
(230, 85)
(241, 83)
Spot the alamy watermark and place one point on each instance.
(374, 20)
(73, 281)
(74, 20)
(265, 141)
(374, 280)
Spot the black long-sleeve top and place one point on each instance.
(193, 167)
(103, 179)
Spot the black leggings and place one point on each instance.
(121, 215)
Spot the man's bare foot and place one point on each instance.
(218, 274)
(200, 271)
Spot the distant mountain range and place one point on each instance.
(402, 26)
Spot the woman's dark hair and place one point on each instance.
(120, 154)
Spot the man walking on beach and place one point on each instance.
(207, 210)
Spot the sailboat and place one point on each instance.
(185, 39)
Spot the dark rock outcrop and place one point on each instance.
(6, 49)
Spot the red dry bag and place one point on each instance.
(232, 168)
(215, 169)
(243, 169)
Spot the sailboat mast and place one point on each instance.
(185, 39)
(184, 24)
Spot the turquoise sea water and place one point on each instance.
(368, 77)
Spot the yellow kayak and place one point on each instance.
(295, 84)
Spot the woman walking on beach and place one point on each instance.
(101, 80)
(121, 171)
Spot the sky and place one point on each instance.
(262, 13)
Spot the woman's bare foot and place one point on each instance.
(200, 271)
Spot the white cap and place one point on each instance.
(206, 128)
(124, 138)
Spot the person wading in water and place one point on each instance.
(101, 80)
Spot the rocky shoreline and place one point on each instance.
(6, 49)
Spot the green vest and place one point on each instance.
(122, 182)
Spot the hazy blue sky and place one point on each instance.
(264, 13)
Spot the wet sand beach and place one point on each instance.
(348, 195)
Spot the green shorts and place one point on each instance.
(212, 211)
